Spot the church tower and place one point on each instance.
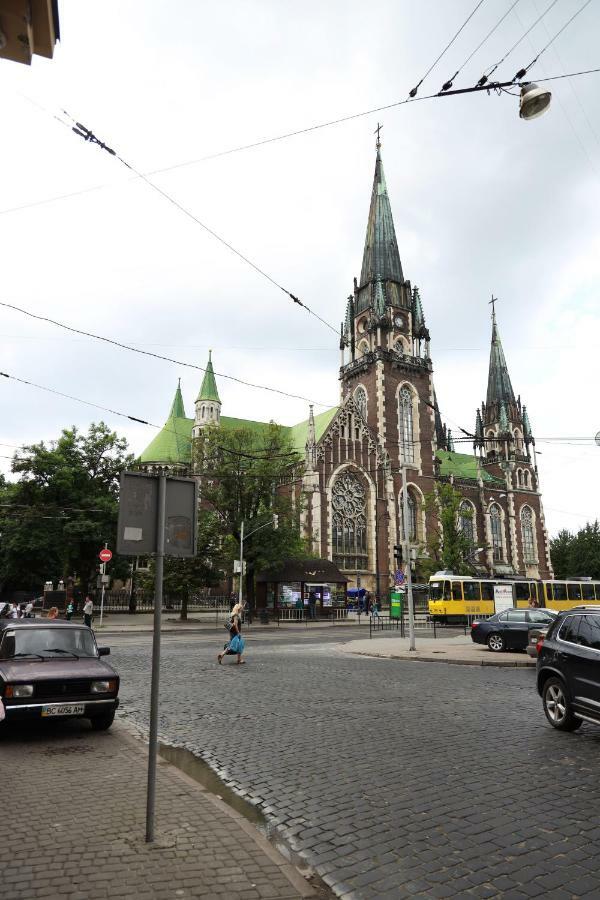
(208, 403)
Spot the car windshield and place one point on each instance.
(48, 642)
(436, 590)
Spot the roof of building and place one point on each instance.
(499, 389)
(314, 571)
(461, 465)
(381, 255)
(208, 388)
(172, 445)
(299, 433)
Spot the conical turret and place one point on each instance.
(171, 446)
(208, 403)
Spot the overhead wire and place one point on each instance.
(448, 84)
(414, 90)
(522, 72)
(485, 77)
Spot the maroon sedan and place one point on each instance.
(50, 669)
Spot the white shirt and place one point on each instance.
(14, 612)
(88, 608)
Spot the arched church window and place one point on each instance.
(466, 524)
(527, 534)
(406, 430)
(526, 478)
(349, 520)
(520, 477)
(412, 517)
(496, 529)
(360, 401)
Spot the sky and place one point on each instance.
(483, 203)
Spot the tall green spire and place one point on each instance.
(208, 390)
(381, 256)
(177, 408)
(172, 444)
(499, 388)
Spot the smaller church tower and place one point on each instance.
(208, 403)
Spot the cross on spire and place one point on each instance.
(493, 302)
(377, 132)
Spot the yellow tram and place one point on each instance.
(455, 598)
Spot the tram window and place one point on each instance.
(436, 590)
(574, 591)
(533, 590)
(487, 590)
(471, 590)
(587, 592)
(457, 590)
(447, 594)
(521, 591)
(559, 591)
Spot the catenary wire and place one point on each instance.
(448, 84)
(522, 72)
(414, 90)
(485, 77)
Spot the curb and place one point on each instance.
(133, 738)
(497, 664)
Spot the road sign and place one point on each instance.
(399, 576)
(105, 555)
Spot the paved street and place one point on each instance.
(393, 779)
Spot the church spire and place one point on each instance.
(381, 256)
(499, 389)
(208, 390)
(177, 407)
(208, 403)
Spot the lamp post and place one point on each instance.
(275, 524)
(407, 565)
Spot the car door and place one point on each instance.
(586, 666)
(517, 629)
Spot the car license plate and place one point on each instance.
(64, 709)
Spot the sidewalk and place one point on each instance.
(458, 650)
(143, 623)
(73, 826)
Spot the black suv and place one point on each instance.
(568, 668)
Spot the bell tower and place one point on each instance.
(208, 403)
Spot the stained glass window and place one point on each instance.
(527, 534)
(405, 414)
(360, 400)
(465, 520)
(496, 528)
(349, 516)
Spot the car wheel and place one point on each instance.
(103, 723)
(557, 706)
(496, 642)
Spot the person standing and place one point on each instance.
(88, 609)
(70, 610)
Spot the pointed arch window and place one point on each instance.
(496, 529)
(349, 522)
(360, 401)
(466, 514)
(527, 534)
(412, 517)
(406, 425)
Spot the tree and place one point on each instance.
(62, 508)
(577, 554)
(247, 476)
(448, 546)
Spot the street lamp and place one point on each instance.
(534, 101)
(274, 522)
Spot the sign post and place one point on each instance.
(104, 556)
(407, 568)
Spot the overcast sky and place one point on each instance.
(482, 203)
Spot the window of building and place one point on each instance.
(465, 520)
(360, 401)
(496, 528)
(527, 534)
(526, 478)
(412, 517)
(520, 477)
(405, 414)
(349, 518)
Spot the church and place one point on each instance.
(387, 425)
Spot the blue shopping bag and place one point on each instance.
(236, 644)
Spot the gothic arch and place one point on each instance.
(497, 530)
(363, 348)
(416, 514)
(361, 400)
(468, 523)
(401, 345)
(347, 514)
(527, 522)
(409, 428)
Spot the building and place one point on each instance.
(387, 422)
(28, 28)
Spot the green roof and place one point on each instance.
(231, 424)
(298, 433)
(462, 465)
(172, 444)
(208, 390)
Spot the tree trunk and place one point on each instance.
(184, 608)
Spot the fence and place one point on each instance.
(423, 624)
(143, 602)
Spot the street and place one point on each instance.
(392, 779)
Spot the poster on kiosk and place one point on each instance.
(503, 597)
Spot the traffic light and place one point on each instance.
(398, 554)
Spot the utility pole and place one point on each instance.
(158, 597)
(407, 559)
(240, 592)
(103, 573)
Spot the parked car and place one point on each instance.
(535, 636)
(509, 629)
(52, 669)
(568, 668)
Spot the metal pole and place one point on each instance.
(406, 541)
(240, 592)
(158, 597)
(103, 586)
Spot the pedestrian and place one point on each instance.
(235, 646)
(29, 610)
(237, 612)
(53, 612)
(70, 610)
(312, 605)
(375, 608)
(14, 611)
(88, 609)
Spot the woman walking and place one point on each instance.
(235, 647)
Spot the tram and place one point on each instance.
(455, 598)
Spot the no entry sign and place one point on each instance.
(105, 555)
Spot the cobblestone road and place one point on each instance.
(393, 779)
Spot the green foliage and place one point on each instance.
(447, 545)
(577, 554)
(62, 508)
(244, 476)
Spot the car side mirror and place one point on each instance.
(103, 651)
